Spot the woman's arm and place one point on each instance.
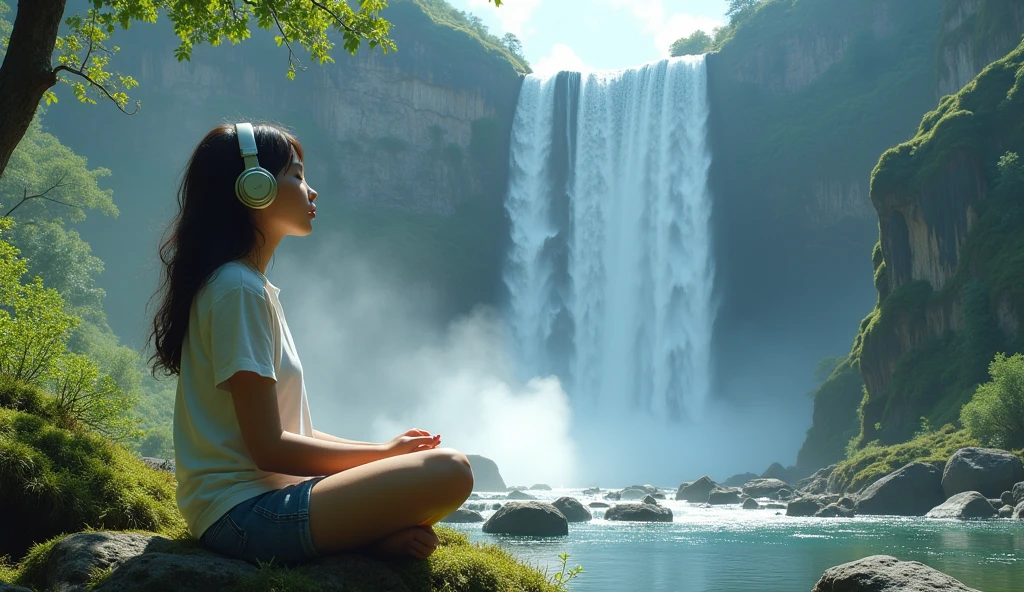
(322, 436)
(278, 451)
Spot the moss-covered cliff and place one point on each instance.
(974, 34)
(949, 263)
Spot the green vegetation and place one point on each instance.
(471, 28)
(835, 414)
(995, 416)
(697, 43)
(872, 462)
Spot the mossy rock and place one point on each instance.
(54, 481)
(119, 561)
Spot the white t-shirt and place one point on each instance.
(236, 323)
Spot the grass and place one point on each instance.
(872, 462)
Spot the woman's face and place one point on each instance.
(292, 211)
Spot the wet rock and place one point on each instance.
(989, 471)
(750, 504)
(639, 513)
(649, 499)
(1006, 498)
(847, 502)
(965, 505)
(804, 506)
(817, 482)
(463, 516)
(769, 488)
(1018, 493)
(632, 493)
(1018, 512)
(884, 573)
(1006, 512)
(517, 494)
(612, 495)
(540, 487)
(696, 492)
(834, 511)
(527, 519)
(721, 496)
(572, 509)
(592, 491)
(912, 490)
(598, 505)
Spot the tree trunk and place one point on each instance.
(27, 71)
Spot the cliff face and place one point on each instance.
(804, 96)
(408, 150)
(974, 34)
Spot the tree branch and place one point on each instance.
(97, 85)
(292, 60)
(25, 197)
(337, 19)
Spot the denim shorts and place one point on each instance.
(272, 526)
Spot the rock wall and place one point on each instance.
(974, 34)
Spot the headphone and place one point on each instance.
(256, 187)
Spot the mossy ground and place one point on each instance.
(873, 462)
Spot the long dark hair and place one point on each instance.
(211, 228)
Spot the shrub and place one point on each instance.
(872, 462)
(56, 481)
(995, 415)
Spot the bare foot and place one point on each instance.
(416, 541)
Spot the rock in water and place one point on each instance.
(750, 504)
(804, 506)
(818, 482)
(696, 492)
(909, 491)
(834, 511)
(632, 493)
(540, 487)
(988, 471)
(516, 494)
(1006, 498)
(639, 513)
(527, 519)
(1018, 512)
(649, 499)
(486, 476)
(722, 496)
(966, 505)
(1018, 493)
(463, 516)
(1006, 512)
(572, 509)
(765, 488)
(884, 573)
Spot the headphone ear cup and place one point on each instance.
(256, 188)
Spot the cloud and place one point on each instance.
(511, 15)
(665, 28)
(375, 366)
(562, 57)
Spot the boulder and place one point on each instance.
(750, 504)
(765, 488)
(966, 505)
(572, 509)
(988, 471)
(785, 494)
(592, 491)
(1006, 512)
(517, 494)
(160, 464)
(803, 506)
(1006, 498)
(632, 493)
(834, 511)
(912, 490)
(696, 492)
(884, 573)
(777, 471)
(612, 495)
(1018, 512)
(463, 516)
(775, 506)
(722, 496)
(650, 489)
(649, 499)
(598, 505)
(847, 502)
(540, 487)
(527, 519)
(639, 513)
(817, 482)
(486, 476)
(4, 587)
(1018, 493)
(739, 480)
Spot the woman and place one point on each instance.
(255, 480)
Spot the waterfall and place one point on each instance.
(609, 272)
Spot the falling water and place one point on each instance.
(609, 272)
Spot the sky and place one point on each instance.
(596, 34)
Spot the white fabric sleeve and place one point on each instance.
(241, 335)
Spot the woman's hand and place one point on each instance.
(413, 440)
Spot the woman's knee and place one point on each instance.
(455, 468)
